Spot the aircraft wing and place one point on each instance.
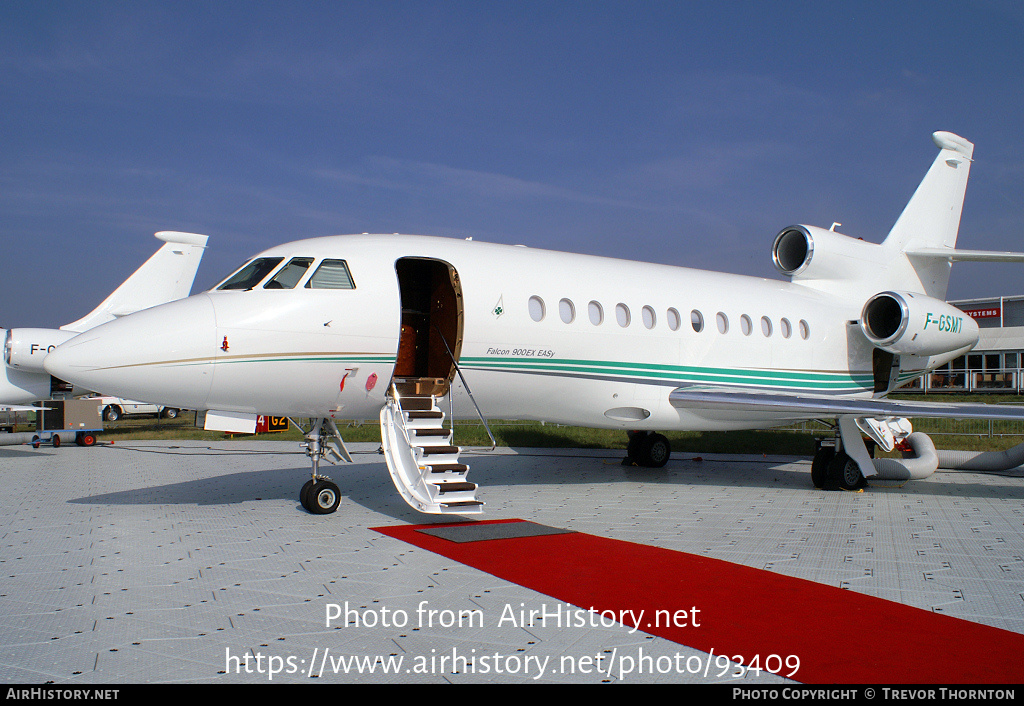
(744, 403)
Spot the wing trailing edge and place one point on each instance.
(781, 406)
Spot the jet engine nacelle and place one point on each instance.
(905, 323)
(808, 252)
(25, 348)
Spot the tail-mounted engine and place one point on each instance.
(904, 323)
(811, 253)
(25, 348)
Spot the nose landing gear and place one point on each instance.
(320, 495)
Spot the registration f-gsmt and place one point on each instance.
(415, 329)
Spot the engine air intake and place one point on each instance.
(909, 323)
(792, 250)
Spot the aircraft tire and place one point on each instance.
(324, 497)
(843, 474)
(112, 413)
(634, 448)
(819, 466)
(304, 494)
(169, 413)
(656, 451)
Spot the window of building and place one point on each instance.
(331, 274)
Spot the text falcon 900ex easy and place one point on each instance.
(413, 329)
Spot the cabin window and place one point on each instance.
(647, 313)
(697, 320)
(622, 315)
(566, 311)
(332, 274)
(289, 275)
(805, 330)
(252, 273)
(596, 313)
(536, 305)
(745, 325)
(766, 326)
(786, 328)
(672, 316)
(723, 322)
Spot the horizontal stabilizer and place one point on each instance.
(967, 255)
(783, 406)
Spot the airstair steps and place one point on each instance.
(421, 458)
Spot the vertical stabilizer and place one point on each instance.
(164, 277)
(931, 219)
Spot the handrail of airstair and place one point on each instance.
(494, 442)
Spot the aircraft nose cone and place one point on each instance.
(162, 355)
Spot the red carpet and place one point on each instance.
(840, 636)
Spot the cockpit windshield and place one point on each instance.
(289, 275)
(251, 274)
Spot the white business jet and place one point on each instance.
(409, 328)
(167, 275)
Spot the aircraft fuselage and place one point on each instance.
(539, 334)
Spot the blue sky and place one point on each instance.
(686, 133)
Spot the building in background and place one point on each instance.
(996, 363)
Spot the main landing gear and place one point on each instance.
(320, 495)
(833, 469)
(647, 449)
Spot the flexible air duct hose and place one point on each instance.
(982, 461)
(925, 460)
(922, 464)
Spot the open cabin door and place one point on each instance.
(419, 450)
(431, 334)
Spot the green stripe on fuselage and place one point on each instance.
(810, 380)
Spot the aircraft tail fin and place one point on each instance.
(932, 217)
(925, 233)
(927, 229)
(167, 275)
